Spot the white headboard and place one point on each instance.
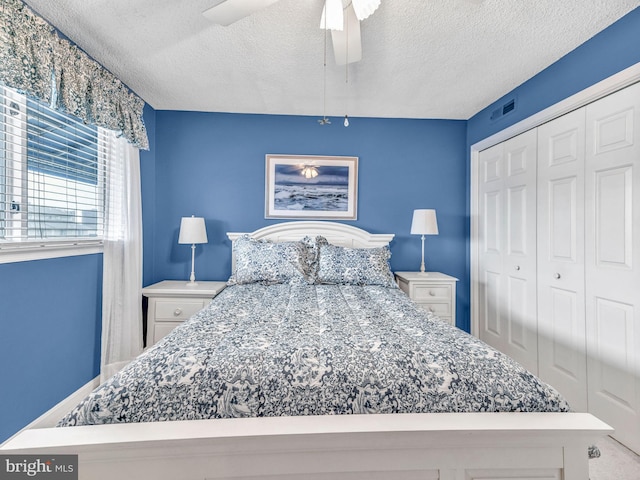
(336, 233)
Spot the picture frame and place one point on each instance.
(311, 187)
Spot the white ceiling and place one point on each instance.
(421, 58)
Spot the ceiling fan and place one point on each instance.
(342, 17)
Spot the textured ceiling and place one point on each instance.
(421, 58)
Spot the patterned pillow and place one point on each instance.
(261, 261)
(353, 266)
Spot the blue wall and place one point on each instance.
(213, 165)
(49, 334)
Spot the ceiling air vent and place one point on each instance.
(503, 110)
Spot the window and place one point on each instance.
(52, 177)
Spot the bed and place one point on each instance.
(313, 364)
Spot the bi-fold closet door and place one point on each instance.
(561, 256)
(507, 233)
(612, 262)
(584, 311)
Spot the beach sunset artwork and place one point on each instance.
(311, 187)
(328, 191)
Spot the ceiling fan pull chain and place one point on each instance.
(346, 77)
(324, 120)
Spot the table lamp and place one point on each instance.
(424, 223)
(193, 231)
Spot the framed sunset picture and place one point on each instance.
(311, 187)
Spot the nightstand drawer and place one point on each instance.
(433, 291)
(177, 310)
(162, 329)
(440, 309)
(429, 292)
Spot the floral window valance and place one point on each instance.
(37, 62)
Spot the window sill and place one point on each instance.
(12, 253)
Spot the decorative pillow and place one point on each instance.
(262, 261)
(353, 266)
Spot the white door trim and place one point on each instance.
(601, 89)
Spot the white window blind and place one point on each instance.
(52, 176)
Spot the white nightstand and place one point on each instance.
(434, 291)
(171, 302)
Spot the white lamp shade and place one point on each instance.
(424, 222)
(192, 230)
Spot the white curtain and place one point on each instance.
(122, 258)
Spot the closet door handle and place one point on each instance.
(557, 276)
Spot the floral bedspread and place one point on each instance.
(284, 349)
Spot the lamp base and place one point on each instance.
(192, 278)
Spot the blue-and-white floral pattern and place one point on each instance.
(300, 349)
(261, 261)
(352, 266)
(36, 61)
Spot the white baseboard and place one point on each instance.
(51, 417)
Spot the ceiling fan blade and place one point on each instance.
(364, 8)
(230, 11)
(347, 44)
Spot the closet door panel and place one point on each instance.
(614, 323)
(560, 244)
(517, 311)
(491, 237)
(613, 217)
(507, 265)
(492, 224)
(613, 262)
(492, 327)
(519, 259)
(563, 218)
(567, 355)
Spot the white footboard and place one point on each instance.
(459, 446)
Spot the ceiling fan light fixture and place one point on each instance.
(332, 16)
(364, 8)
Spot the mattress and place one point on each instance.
(298, 349)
